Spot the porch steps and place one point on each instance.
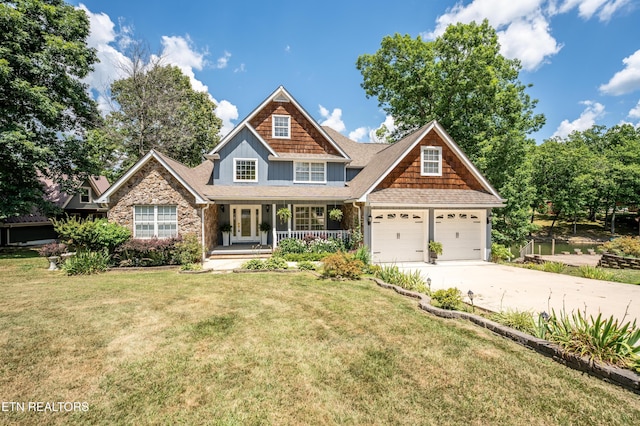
(235, 251)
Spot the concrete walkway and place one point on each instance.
(501, 287)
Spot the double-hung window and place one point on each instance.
(245, 170)
(85, 195)
(309, 218)
(310, 172)
(431, 161)
(155, 221)
(281, 126)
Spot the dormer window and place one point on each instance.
(282, 126)
(431, 161)
(85, 195)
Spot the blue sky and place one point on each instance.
(582, 56)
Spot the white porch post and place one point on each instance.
(289, 220)
(273, 226)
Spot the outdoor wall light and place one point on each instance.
(268, 208)
(369, 220)
(222, 207)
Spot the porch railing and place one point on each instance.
(527, 249)
(300, 235)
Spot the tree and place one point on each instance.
(461, 80)
(157, 108)
(44, 105)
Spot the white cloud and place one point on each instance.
(227, 112)
(627, 80)
(179, 51)
(358, 134)
(635, 111)
(223, 60)
(332, 119)
(587, 119)
(388, 124)
(241, 68)
(523, 26)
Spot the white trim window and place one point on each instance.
(308, 218)
(308, 172)
(245, 170)
(85, 194)
(155, 221)
(281, 125)
(431, 161)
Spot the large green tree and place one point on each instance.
(156, 107)
(44, 105)
(461, 80)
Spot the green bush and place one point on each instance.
(623, 246)
(189, 250)
(306, 266)
(273, 263)
(291, 245)
(599, 339)
(342, 266)
(500, 253)
(450, 298)
(87, 263)
(191, 267)
(595, 273)
(300, 257)
(412, 281)
(92, 235)
(147, 252)
(363, 255)
(556, 267)
(519, 320)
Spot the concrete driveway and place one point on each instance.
(500, 287)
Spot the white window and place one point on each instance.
(281, 126)
(431, 161)
(310, 172)
(155, 221)
(85, 195)
(245, 170)
(308, 218)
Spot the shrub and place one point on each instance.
(363, 255)
(555, 267)
(148, 252)
(342, 265)
(291, 245)
(595, 273)
(412, 281)
(253, 264)
(599, 339)
(447, 299)
(91, 235)
(500, 253)
(519, 320)
(188, 250)
(52, 249)
(300, 257)
(305, 265)
(191, 267)
(623, 246)
(87, 263)
(323, 245)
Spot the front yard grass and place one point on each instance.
(154, 347)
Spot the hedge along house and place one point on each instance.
(400, 196)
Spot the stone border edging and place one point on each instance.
(618, 376)
(609, 260)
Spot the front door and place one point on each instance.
(246, 223)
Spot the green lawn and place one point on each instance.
(165, 348)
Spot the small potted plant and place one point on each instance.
(264, 233)
(226, 234)
(52, 252)
(335, 214)
(435, 249)
(284, 214)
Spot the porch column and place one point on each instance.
(273, 226)
(289, 220)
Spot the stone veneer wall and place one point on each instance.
(211, 227)
(154, 185)
(350, 216)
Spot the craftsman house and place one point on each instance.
(36, 228)
(400, 196)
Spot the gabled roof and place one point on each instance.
(279, 95)
(194, 180)
(382, 163)
(360, 153)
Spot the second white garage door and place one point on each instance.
(460, 233)
(398, 235)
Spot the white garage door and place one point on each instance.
(460, 233)
(398, 235)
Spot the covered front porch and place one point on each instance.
(245, 225)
